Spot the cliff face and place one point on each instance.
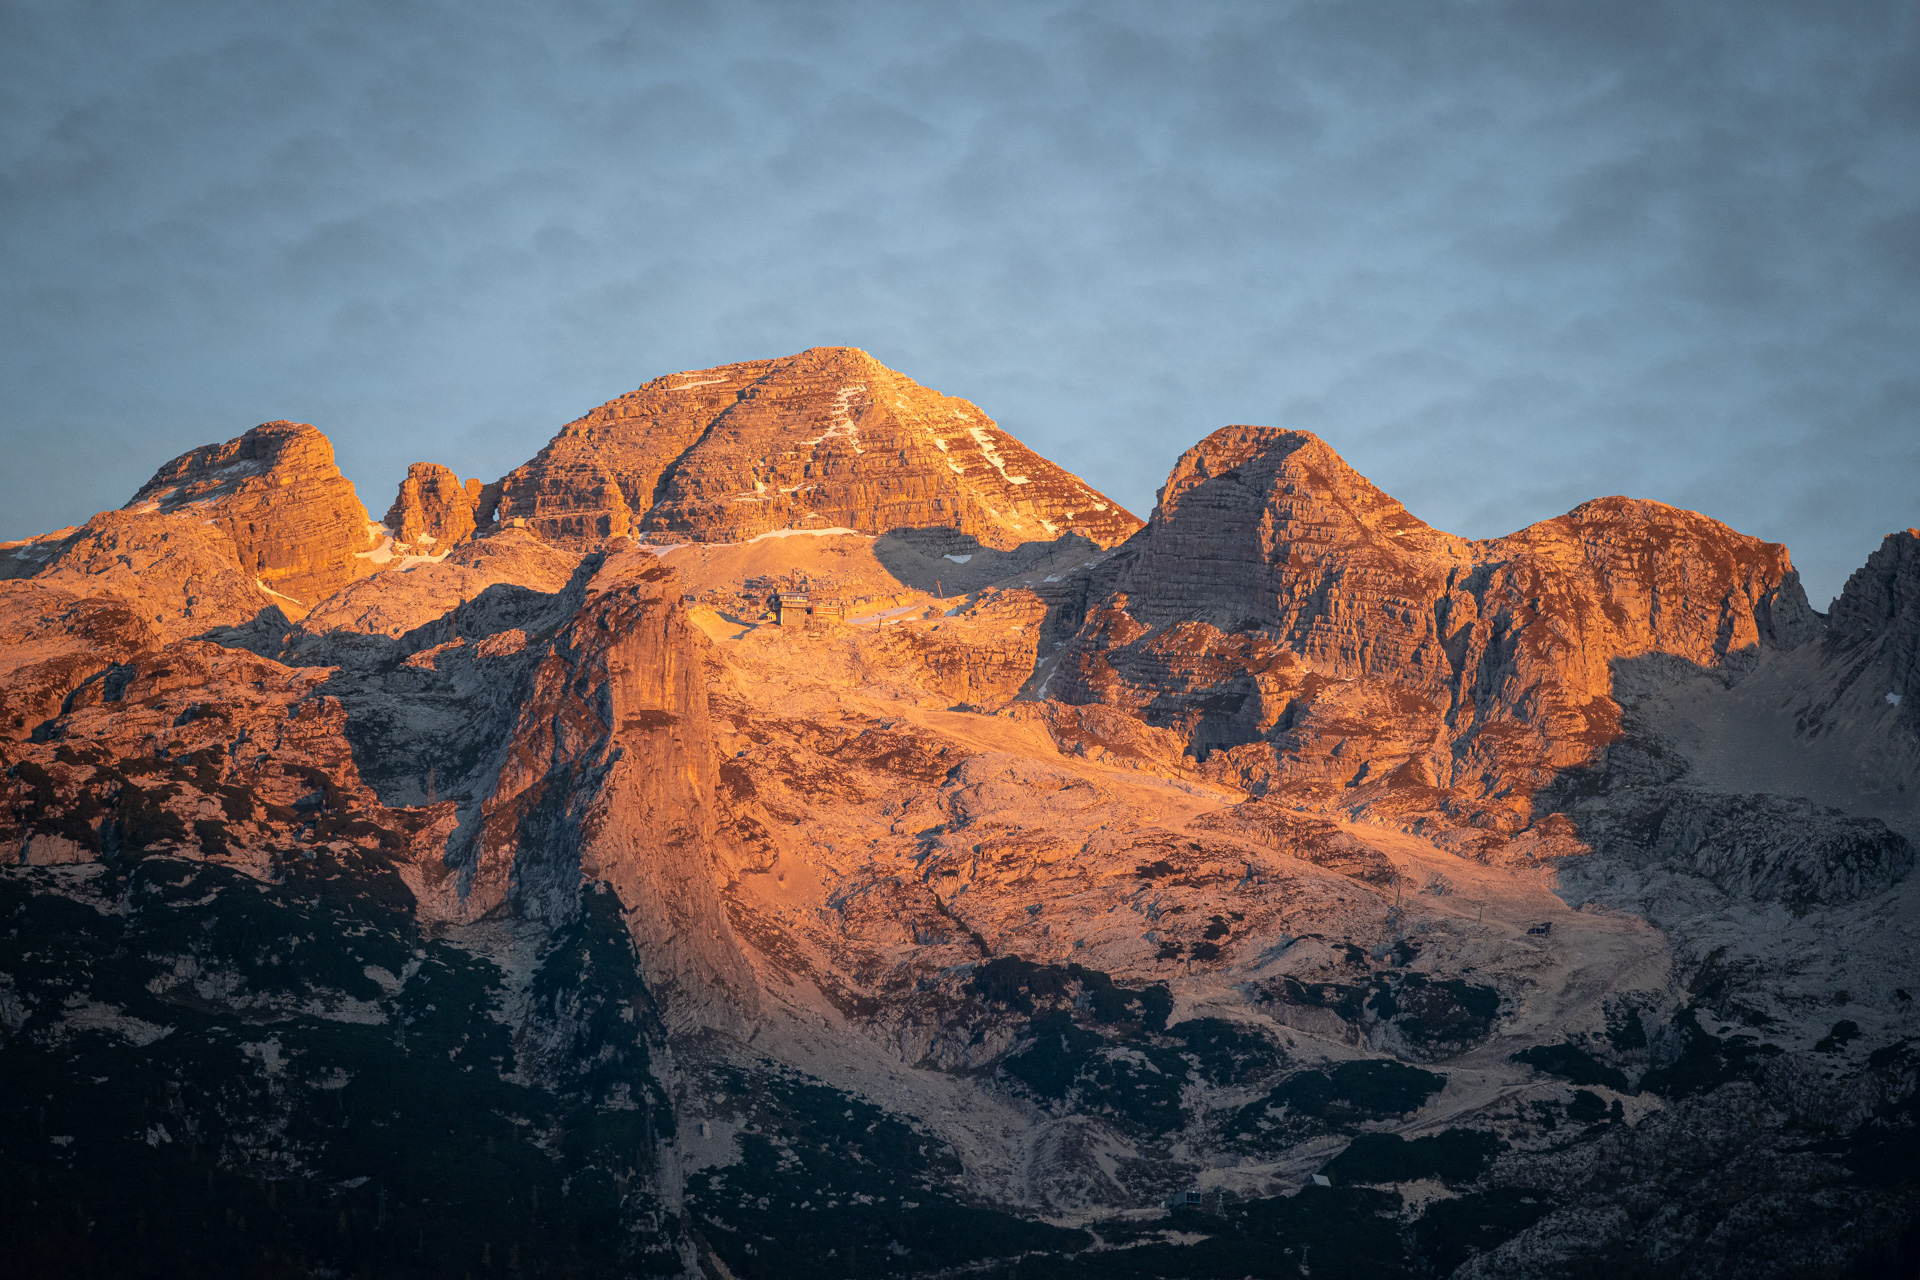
(297, 523)
(1279, 600)
(433, 510)
(829, 438)
(1880, 606)
(609, 776)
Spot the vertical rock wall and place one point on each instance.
(433, 509)
(610, 777)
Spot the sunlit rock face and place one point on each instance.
(1278, 598)
(179, 572)
(296, 522)
(829, 438)
(1043, 896)
(433, 510)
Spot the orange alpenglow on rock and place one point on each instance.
(1283, 608)
(297, 523)
(829, 438)
(433, 508)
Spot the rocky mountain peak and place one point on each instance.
(433, 509)
(1252, 517)
(1282, 606)
(296, 522)
(1881, 603)
(553, 902)
(827, 438)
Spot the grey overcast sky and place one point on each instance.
(1505, 257)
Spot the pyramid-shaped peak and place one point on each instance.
(1302, 482)
(826, 438)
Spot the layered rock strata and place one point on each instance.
(297, 524)
(828, 438)
(610, 776)
(1279, 599)
(433, 510)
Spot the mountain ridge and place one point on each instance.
(545, 896)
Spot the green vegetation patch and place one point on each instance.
(1706, 1061)
(1351, 1092)
(202, 1122)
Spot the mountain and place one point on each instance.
(1282, 886)
(829, 438)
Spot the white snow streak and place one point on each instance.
(991, 453)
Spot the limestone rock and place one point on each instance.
(178, 572)
(405, 599)
(28, 556)
(610, 776)
(298, 524)
(52, 641)
(828, 438)
(1763, 847)
(433, 511)
(1880, 608)
(1278, 598)
(1023, 958)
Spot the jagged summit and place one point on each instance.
(1281, 605)
(828, 438)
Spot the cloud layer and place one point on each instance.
(1503, 256)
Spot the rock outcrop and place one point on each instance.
(297, 523)
(433, 510)
(1279, 599)
(1880, 608)
(52, 642)
(404, 600)
(828, 438)
(179, 573)
(609, 777)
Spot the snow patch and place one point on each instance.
(279, 595)
(1893, 699)
(991, 452)
(872, 619)
(688, 386)
(805, 533)
(382, 553)
(959, 559)
(840, 418)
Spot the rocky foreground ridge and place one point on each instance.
(1281, 887)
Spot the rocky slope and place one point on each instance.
(1282, 608)
(829, 438)
(1290, 889)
